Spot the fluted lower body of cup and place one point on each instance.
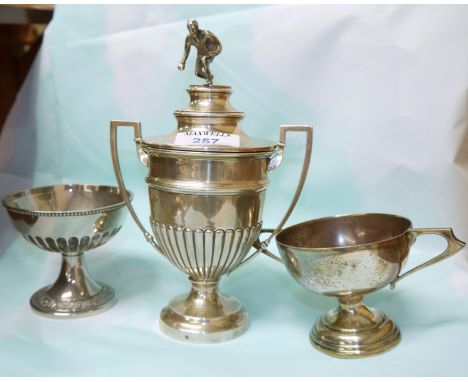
(205, 254)
(204, 315)
(205, 236)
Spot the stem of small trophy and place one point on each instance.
(74, 281)
(351, 303)
(74, 292)
(353, 313)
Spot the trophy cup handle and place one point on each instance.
(454, 245)
(264, 247)
(274, 163)
(118, 174)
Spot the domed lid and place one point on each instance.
(209, 123)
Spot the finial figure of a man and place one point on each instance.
(208, 47)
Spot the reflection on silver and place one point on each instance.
(69, 219)
(206, 205)
(348, 257)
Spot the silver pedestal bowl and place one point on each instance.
(348, 257)
(69, 219)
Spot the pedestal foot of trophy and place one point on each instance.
(204, 315)
(354, 330)
(74, 293)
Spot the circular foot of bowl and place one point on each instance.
(204, 326)
(46, 305)
(340, 338)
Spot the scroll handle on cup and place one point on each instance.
(454, 245)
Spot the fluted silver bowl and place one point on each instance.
(69, 219)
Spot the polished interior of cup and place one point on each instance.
(344, 231)
(65, 198)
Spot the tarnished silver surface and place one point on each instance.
(69, 219)
(347, 257)
(207, 182)
(206, 210)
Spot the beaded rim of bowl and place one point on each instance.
(8, 200)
